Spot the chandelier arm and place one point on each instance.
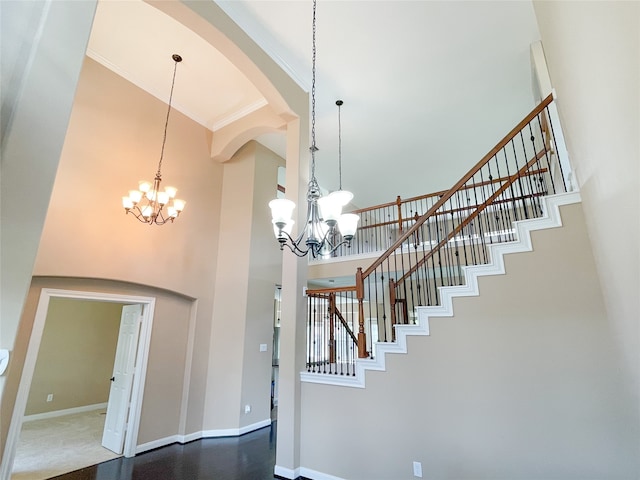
(293, 246)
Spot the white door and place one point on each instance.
(122, 379)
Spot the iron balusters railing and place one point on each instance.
(435, 239)
(332, 319)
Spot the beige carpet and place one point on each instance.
(58, 445)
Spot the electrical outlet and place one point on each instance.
(263, 347)
(247, 408)
(417, 469)
(50, 397)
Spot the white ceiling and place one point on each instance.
(428, 86)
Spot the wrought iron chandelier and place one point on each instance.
(149, 204)
(324, 214)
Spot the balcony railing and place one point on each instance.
(429, 240)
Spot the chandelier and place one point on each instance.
(324, 213)
(149, 204)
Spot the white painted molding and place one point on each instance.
(229, 432)
(550, 219)
(235, 432)
(286, 472)
(62, 413)
(161, 442)
(315, 475)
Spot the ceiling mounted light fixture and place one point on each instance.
(324, 214)
(149, 204)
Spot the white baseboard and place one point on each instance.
(286, 472)
(162, 442)
(228, 432)
(61, 413)
(315, 475)
(235, 432)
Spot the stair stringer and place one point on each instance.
(550, 219)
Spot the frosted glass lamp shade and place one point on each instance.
(127, 202)
(171, 191)
(348, 224)
(178, 204)
(163, 198)
(144, 186)
(330, 209)
(135, 196)
(147, 211)
(281, 211)
(342, 197)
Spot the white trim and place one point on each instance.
(286, 472)
(140, 374)
(237, 115)
(190, 437)
(32, 354)
(550, 219)
(161, 442)
(182, 439)
(315, 475)
(62, 413)
(186, 384)
(258, 34)
(236, 432)
(162, 96)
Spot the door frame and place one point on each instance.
(140, 370)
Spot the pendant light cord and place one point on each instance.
(176, 58)
(339, 104)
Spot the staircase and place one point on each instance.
(462, 235)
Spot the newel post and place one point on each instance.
(362, 337)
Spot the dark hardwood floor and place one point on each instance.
(249, 457)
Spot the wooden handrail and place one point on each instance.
(466, 221)
(320, 292)
(345, 324)
(444, 212)
(444, 204)
(458, 185)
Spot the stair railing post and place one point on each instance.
(399, 204)
(392, 304)
(362, 337)
(332, 333)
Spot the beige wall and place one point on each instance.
(112, 142)
(593, 54)
(167, 352)
(249, 269)
(43, 69)
(76, 355)
(523, 382)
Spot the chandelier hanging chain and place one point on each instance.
(176, 58)
(313, 147)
